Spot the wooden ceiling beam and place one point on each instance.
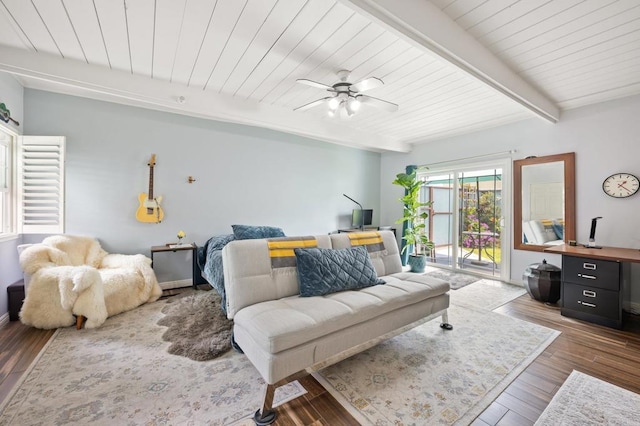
(424, 25)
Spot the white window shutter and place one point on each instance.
(40, 184)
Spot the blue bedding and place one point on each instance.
(210, 263)
(209, 256)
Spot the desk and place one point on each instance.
(190, 247)
(478, 238)
(595, 282)
(369, 229)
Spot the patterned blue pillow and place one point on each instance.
(248, 232)
(324, 271)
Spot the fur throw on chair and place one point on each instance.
(73, 275)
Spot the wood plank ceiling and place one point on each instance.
(452, 66)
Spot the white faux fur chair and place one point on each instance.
(73, 276)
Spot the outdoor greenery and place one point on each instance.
(414, 214)
(482, 216)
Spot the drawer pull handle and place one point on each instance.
(588, 293)
(591, 266)
(590, 305)
(590, 277)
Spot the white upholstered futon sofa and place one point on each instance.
(285, 334)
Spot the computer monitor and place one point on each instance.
(356, 218)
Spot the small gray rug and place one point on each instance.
(198, 329)
(455, 279)
(584, 400)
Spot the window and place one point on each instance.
(40, 184)
(36, 201)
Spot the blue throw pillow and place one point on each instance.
(324, 271)
(558, 228)
(248, 232)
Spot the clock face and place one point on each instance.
(621, 185)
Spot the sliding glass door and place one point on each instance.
(466, 220)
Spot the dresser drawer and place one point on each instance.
(591, 272)
(591, 300)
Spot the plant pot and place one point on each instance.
(417, 262)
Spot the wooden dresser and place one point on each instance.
(595, 282)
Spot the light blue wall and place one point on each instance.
(244, 175)
(605, 140)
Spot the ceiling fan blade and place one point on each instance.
(378, 103)
(366, 84)
(314, 84)
(312, 104)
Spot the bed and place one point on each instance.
(209, 256)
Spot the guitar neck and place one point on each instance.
(151, 182)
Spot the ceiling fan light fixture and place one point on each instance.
(348, 108)
(345, 113)
(354, 103)
(346, 100)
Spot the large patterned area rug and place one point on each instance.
(122, 374)
(428, 376)
(584, 400)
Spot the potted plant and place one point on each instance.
(415, 216)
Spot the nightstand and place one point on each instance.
(182, 247)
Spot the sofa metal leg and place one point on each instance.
(445, 321)
(79, 321)
(267, 415)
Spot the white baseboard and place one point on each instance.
(4, 319)
(168, 285)
(517, 283)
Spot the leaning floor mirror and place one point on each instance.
(543, 201)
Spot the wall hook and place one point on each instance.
(191, 179)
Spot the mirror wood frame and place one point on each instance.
(568, 160)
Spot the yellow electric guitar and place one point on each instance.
(149, 210)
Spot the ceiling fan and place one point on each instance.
(346, 98)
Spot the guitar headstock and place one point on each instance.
(152, 161)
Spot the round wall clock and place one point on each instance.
(621, 185)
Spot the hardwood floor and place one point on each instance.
(19, 346)
(609, 354)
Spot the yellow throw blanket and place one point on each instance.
(281, 249)
(371, 240)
